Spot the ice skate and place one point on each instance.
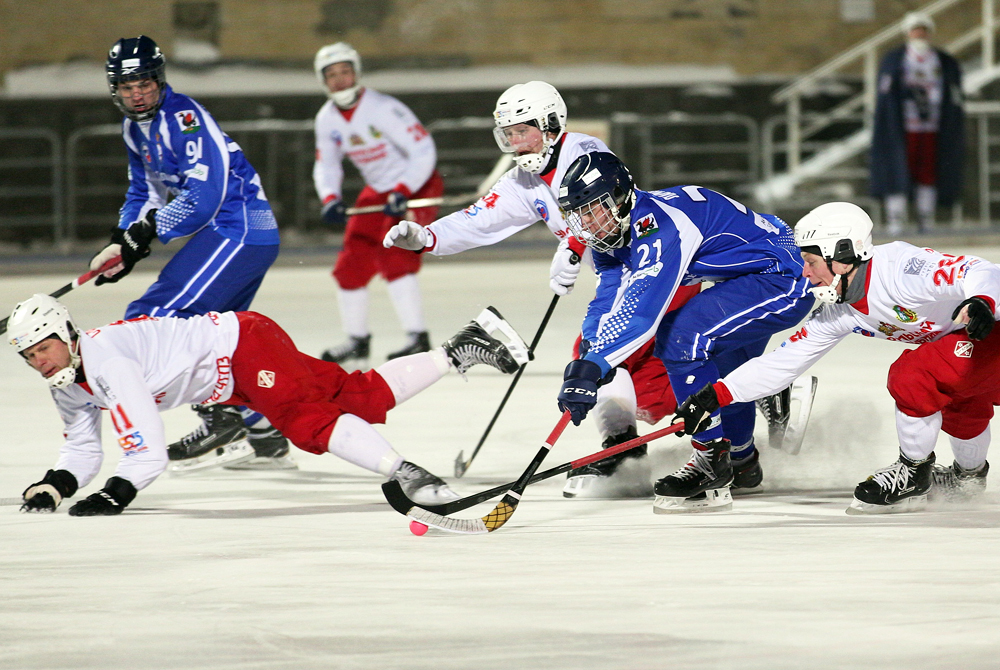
(590, 479)
(419, 343)
(476, 344)
(701, 485)
(270, 451)
(900, 487)
(955, 484)
(787, 413)
(352, 354)
(747, 473)
(422, 486)
(219, 440)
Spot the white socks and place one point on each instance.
(926, 205)
(354, 311)
(917, 435)
(895, 212)
(405, 295)
(970, 454)
(354, 440)
(409, 375)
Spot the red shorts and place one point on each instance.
(300, 395)
(955, 376)
(654, 396)
(921, 157)
(363, 255)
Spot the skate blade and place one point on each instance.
(264, 463)
(492, 323)
(234, 452)
(713, 500)
(911, 504)
(801, 402)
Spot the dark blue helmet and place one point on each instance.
(596, 197)
(136, 59)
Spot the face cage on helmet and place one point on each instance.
(607, 234)
(157, 74)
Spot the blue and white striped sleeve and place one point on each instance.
(202, 152)
(144, 193)
(609, 278)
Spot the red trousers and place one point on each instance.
(300, 395)
(921, 157)
(364, 256)
(654, 397)
(955, 376)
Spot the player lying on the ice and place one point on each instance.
(647, 244)
(135, 369)
(946, 305)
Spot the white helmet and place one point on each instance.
(838, 231)
(537, 103)
(341, 52)
(38, 318)
(917, 20)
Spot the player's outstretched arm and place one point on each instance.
(406, 235)
(45, 496)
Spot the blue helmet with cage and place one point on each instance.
(596, 197)
(136, 59)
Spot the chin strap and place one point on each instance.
(67, 375)
(829, 294)
(535, 163)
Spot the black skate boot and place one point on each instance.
(747, 473)
(582, 481)
(475, 344)
(956, 484)
(702, 485)
(270, 451)
(219, 440)
(422, 486)
(787, 413)
(419, 343)
(900, 487)
(353, 354)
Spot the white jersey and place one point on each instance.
(924, 85)
(136, 369)
(910, 295)
(516, 201)
(381, 136)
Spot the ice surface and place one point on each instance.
(312, 569)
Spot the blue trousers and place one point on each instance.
(209, 273)
(720, 329)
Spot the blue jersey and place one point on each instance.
(183, 153)
(679, 236)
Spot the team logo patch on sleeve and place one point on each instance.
(265, 379)
(963, 349)
(542, 210)
(646, 226)
(188, 121)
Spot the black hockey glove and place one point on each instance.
(981, 318)
(45, 496)
(395, 206)
(579, 388)
(112, 499)
(696, 411)
(132, 243)
(334, 213)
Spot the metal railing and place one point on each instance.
(985, 115)
(667, 149)
(19, 193)
(772, 148)
(866, 54)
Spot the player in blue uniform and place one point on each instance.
(648, 243)
(188, 178)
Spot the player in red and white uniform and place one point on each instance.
(396, 156)
(944, 304)
(136, 369)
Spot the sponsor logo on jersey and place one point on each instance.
(861, 331)
(963, 349)
(356, 140)
(375, 132)
(888, 329)
(588, 146)
(199, 172)
(132, 444)
(905, 315)
(223, 370)
(542, 210)
(188, 121)
(646, 226)
(148, 157)
(914, 266)
(265, 379)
